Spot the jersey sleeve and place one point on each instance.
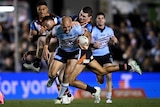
(32, 26)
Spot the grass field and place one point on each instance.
(85, 103)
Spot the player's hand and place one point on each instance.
(96, 44)
(84, 47)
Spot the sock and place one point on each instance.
(109, 95)
(58, 82)
(63, 88)
(67, 92)
(124, 67)
(90, 89)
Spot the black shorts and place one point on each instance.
(86, 57)
(104, 59)
(62, 56)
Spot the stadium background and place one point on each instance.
(136, 24)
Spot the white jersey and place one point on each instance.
(102, 36)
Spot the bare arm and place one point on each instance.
(31, 34)
(88, 34)
(46, 51)
(114, 40)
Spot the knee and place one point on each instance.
(51, 74)
(103, 72)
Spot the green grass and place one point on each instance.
(85, 103)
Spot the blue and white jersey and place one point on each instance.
(102, 36)
(68, 42)
(37, 23)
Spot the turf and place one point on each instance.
(84, 103)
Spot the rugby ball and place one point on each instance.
(82, 40)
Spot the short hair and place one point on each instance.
(87, 10)
(47, 18)
(41, 2)
(100, 13)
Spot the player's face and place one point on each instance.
(42, 11)
(100, 20)
(84, 17)
(49, 24)
(66, 27)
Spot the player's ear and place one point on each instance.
(90, 17)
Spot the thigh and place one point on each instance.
(70, 65)
(55, 67)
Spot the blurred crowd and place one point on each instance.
(141, 43)
(139, 40)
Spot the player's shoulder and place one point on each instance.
(35, 20)
(77, 27)
(56, 18)
(56, 30)
(108, 28)
(95, 29)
